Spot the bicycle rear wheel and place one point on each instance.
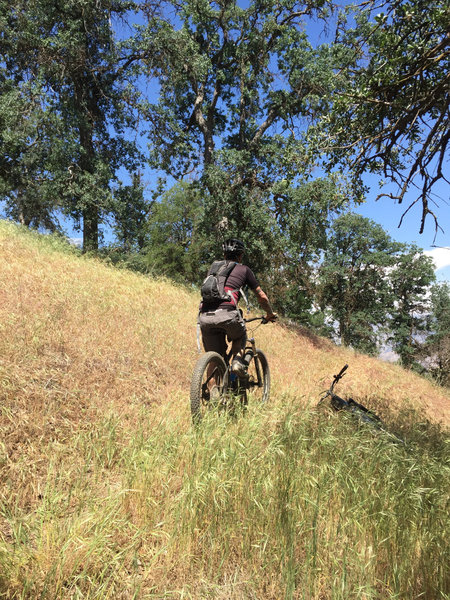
(258, 383)
(208, 384)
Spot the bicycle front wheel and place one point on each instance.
(258, 384)
(208, 384)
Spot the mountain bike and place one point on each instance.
(215, 386)
(361, 412)
(338, 403)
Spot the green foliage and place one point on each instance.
(437, 345)
(232, 82)
(389, 111)
(304, 214)
(241, 213)
(353, 279)
(375, 289)
(67, 81)
(172, 247)
(130, 213)
(27, 137)
(411, 278)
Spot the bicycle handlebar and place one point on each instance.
(340, 374)
(336, 378)
(262, 319)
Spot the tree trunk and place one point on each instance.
(90, 229)
(90, 212)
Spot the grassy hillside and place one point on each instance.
(106, 491)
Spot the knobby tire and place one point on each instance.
(208, 384)
(258, 385)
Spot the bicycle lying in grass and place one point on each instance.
(215, 386)
(358, 410)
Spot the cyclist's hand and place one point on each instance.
(270, 317)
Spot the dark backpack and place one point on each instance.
(213, 287)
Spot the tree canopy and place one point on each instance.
(374, 288)
(244, 97)
(437, 344)
(66, 83)
(389, 111)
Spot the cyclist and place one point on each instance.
(223, 319)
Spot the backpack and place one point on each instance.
(213, 287)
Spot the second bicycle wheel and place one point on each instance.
(208, 384)
(258, 384)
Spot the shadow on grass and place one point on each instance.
(410, 425)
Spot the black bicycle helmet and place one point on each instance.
(233, 247)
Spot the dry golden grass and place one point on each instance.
(77, 333)
(93, 360)
(304, 364)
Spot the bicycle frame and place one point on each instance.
(230, 377)
(250, 340)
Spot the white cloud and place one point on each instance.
(440, 256)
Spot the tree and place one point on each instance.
(437, 345)
(390, 109)
(411, 278)
(215, 65)
(232, 80)
(304, 215)
(27, 134)
(236, 87)
(353, 281)
(66, 54)
(171, 247)
(375, 289)
(130, 214)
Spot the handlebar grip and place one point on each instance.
(272, 320)
(344, 368)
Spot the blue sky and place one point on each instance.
(388, 214)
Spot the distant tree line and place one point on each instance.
(261, 121)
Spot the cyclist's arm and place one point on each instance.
(264, 303)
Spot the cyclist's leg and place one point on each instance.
(237, 335)
(214, 340)
(215, 325)
(213, 334)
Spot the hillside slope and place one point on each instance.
(98, 459)
(72, 328)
